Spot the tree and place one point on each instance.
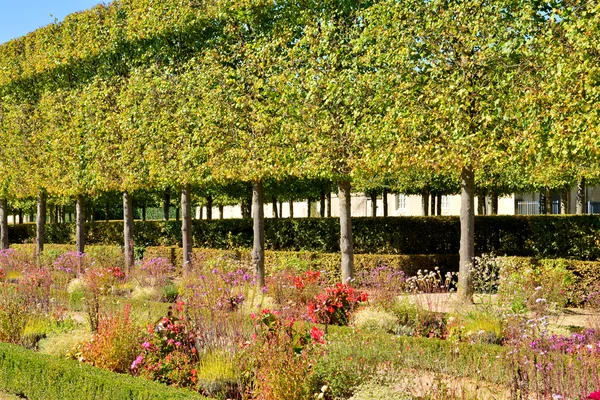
(456, 67)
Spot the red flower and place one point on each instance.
(317, 335)
(594, 395)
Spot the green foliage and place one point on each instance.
(543, 236)
(531, 285)
(354, 358)
(58, 378)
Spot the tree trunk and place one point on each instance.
(494, 204)
(186, 226)
(128, 230)
(346, 245)
(40, 223)
(542, 203)
(385, 202)
(107, 211)
(432, 203)
(14, 218)
(480, 204)
(564, 201)
(166, 205)
(548, 197)
(243, 209)
(580, 207)
(79, 224)
(275, 213)
(177, 212)
(209, 207)
(467, 235)
(373, 198)
(308, 204)
(329, 204)
(291, 208)
(221, 216)
(439, 204)
(258, 222)
(4, 223)
(201, 212)
(20, 216)
(143, 213)
(280, 209)
(70, 217)
(90, 212)
(425, 202)
(322, 204)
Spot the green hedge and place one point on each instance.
(547, 236)
(41, 376)
(306, 260)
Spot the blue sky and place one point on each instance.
(18, 17)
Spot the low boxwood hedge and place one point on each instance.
(41, 376)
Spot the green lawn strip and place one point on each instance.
(352, 358)
(41, 376)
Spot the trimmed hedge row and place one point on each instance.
(41, 376)
(329, 263)
(547, 236)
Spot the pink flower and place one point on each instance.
(594, 395)
(137, 362)
(146, 345)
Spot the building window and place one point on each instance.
(401, 201)
(445, 202)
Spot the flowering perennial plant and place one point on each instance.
(116, 343)
(281, 356)
(168, 354)
(72, 263)
(335, 304)
(155, 272)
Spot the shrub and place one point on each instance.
(13, 313)
(336, 304)
(168, 354)
(527, 286)
(38, 376)
(116, 343)
(281, 357)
